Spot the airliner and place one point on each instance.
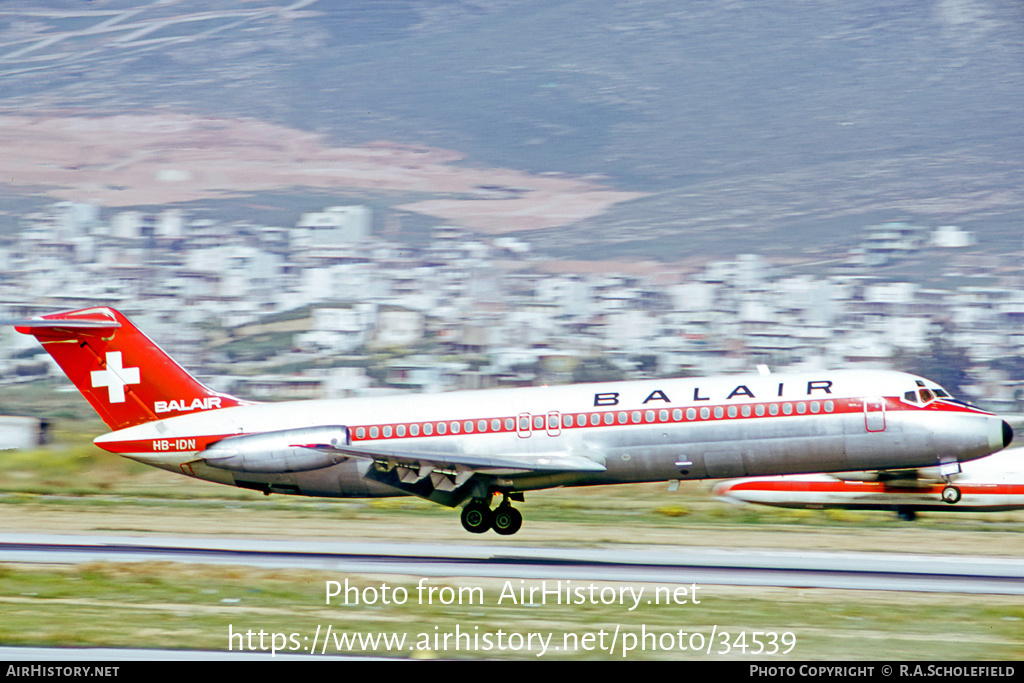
(467, 448)
(991, 484)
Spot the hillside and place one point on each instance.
(734, 126)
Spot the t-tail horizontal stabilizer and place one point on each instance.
(124, 375)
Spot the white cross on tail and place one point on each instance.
(115, 377)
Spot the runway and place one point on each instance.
(705, 566)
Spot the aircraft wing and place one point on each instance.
(540, 463)
(447, 478)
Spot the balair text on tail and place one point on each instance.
(127, 378)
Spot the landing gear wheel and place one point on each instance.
(477, 518)
(951, 495)
(507, 520)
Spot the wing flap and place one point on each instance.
(451, 478)
(548, 463)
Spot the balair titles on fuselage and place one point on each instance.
(742, 391)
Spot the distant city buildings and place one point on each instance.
(325, 308)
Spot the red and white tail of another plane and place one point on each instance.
(465, 448)
(991, 484)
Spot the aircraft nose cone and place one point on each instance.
(1007, 434)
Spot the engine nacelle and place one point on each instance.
(288, 450)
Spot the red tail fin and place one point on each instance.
(125, 376)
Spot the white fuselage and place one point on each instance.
(993, 483)
(652, 430)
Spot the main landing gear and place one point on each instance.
(478, 517)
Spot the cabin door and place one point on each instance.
(874, 414)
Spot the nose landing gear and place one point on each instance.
(951, 494)
(477, 517)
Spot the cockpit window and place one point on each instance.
(925, 395)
